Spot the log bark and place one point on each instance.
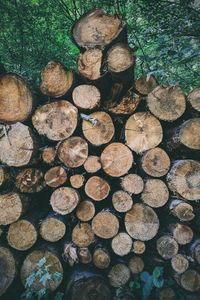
(86, 97)
(97, 188)
(183, 179)
(155, 193)
(52, 228)
(101, 258)
(55, 176)
(136, 265)
(85, 211)
(167, 102)
(141, 222)
(48, 155)
(138, 247)
(167, 246)
(30, 180)
(56, 120)
(122, 244)
(155, 162)
(55, 79)
(122, 201)
(82, 235)
(64, 200)
(73, 152)
(143, 132)
(183, 234)
(182, 210)
(179, 263)
(132, 183)
(105, 225)
(194, 98)
(119, 275)
(77, 181)
(15, 99)
(145, 84)
(190, 280)
(92, 164)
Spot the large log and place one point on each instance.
(155, 193)
(15, 99)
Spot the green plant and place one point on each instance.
(150, 281)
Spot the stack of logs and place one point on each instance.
(104, 172)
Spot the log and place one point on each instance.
(166, 293)
(55, 79)
(22, 235)
(155, 162)
(141, 222)
(30, 266)
(143, 132)
(155, 193)
(52, 228)
(132, 183)
(85, 211)
(183, 179)
(12, 206)
(190, 280)
(8, 269)
(55, 176)
(96, 29)
(193, 98)
(92, 164)
(138, 247)
(77, 181)
(182, 210)
(167, 246)
(116, 159)
(82, 235)
(101, 258)
(167, 102)
(85, 256)
(30, 180)
(48, 155)
(15, 99)
(119, 275)
(183, 234)
(56, 120)
(86, 97)
(73, 152)
(105, 225)
(18, 147)
(64, 200)
(97, 188)
(145, 84)
(179, 263)
(136, 265)
(101, 132)
(195, 250)
(4, 176)
(122, 201)
(122, 244)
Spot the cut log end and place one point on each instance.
(155, 193)
(30, 180)
(82, 235)
(85, 256)
(138, 247)
(105, 225)
(92, 164)
(179, 263)
(101, 258)
(85, 211)
(122, 244)
(64, 200)
(119, 275)
(166, 294)
(3, 176)
(145, 84)
(122, 201)
(52, 229)
(48, 155)
(86, 96)
(190, 280)
(136, 265)
(132, 183)
(120, 58)
(183, 234)
(189, 134)
(167, 247)
(55, 176)
(89, 64)
(77, 181)
(97, 188)
(194, 98)
(182, 210)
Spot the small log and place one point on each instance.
(55, 176)
(64, 200)
(56, 120)
(116, 159)
(155, 162)
(136, 265)
(119, 275)
(166, 293)
(132, 183)
(12, 206)
(92, 164)
(85, 211)
(122, 201)
(167, 246)
(30, 180)
(139, 247)
(15, 99)
(143, 132)
(101, 132)
(77, 181)
(141, 222)
(30, 265)
(194, 98)
(195, 250)
(96, 29)
(183, 179)
(97, 188)
(86, 96)
(122, 244)
(190, 280)
(85, 256)
(52, 228)
(73, 152)
(18, 147)
(105, 225)
(55, 79)
(22, 235)
(48, 155)
(183, 234)
(8, 269)
(101, 258)
(167, 102)
(179, 263)
(82, 235)
(155, 193)
(3, 176)
(182, 210)
(145, 84)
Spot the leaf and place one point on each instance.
(28, 294)
(158, 282)
(147, 288)
(41, 262)
(39, 273)
(157, 272)
(41, 293)
(57, 276)
(144, 276)
(44, 278)
(59, 296)
(29, 280)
